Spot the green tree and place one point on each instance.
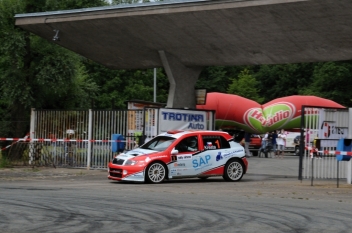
(277, 81)
(332, 80)
(34, 72)
(116, 2)
(72, 4)
(245, 86)
(119, 86)
(217, 78)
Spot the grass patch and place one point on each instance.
(4, 162)
(30, 170)
(81, 173)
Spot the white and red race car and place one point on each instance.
(181, 154)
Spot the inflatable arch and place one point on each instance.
(238, 112)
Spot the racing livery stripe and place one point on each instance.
(218, 170)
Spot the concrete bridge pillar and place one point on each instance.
(182, 82)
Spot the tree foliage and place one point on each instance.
(35, 72)
(283, 80)
(119, 86)
(245, 86)
(116, 2)
(331, 80)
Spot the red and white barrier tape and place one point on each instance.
(349, 153)
(59, 140)
(16, 140)
(315, 150)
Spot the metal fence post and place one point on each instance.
(301, 145)
(311, 184)
(31, 132)
(337, 173)
(89, 151)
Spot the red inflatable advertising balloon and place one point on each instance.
(236, 111)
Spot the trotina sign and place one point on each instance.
(182, 119)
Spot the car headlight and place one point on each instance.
(131, 162)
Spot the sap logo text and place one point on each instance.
(202, 161)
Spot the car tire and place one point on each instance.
(155, 173)
(254, 153)
(234, 170)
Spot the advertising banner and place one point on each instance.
(233, 111)
(328, 129)
(182, 119)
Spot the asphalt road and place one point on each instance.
(269, 198)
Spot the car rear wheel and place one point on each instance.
(155, 173)
(234, 170)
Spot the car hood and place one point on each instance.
(135, 152)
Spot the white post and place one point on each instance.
(154, 85)
(349, 163)
(31, 132)
(89, 151)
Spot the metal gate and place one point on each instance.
(322, 127)
(83, 139)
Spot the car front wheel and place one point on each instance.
(155, 173)
(234, 170)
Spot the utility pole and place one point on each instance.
(154, 85)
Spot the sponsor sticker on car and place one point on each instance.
(184, 157)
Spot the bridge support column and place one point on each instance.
(182, 82)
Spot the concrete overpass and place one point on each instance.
(185, 36)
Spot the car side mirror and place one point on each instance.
(174, 151)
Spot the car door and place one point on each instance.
(182, 162)
(216, 153)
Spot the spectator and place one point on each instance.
(281, 142)
(273, 141)
(265, 141)
(247, 141)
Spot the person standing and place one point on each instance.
(247, 141)
(273, 141)
(281, 142)
(266, 139)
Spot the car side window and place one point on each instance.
(188, 144)
(214, 142)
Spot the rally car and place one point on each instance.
(181, 154)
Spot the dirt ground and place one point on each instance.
(252, 185)
(30, 173)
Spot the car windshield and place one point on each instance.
(159, 143)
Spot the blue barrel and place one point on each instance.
(118, 146)
(344, 145)
(343, 157)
